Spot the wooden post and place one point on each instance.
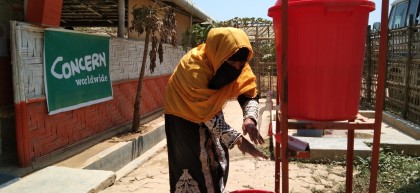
(257, 58)
(44, 12)
(407, 71)
(369, 66)
(121, 18)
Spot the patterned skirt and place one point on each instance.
(198, 161)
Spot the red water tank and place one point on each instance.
(326, 41)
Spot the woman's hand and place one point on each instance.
(246, 147)
(249, 127)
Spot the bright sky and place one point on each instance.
(222, 10)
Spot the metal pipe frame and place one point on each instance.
(283, 123)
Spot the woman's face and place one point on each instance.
(238, 65)
(226, 74)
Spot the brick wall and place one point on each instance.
(50, 133)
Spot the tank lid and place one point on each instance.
(292, 3)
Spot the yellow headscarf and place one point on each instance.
(187, 94)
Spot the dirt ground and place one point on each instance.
(245, 172)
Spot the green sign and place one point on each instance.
(76, 69)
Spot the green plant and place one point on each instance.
(159, 25)
(196, 34)
(316, 179)
(396, 173)
(244, 22)
(314, 190)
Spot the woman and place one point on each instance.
(198, 138)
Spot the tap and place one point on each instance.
(269, 106)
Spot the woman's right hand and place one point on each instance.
(246, 147)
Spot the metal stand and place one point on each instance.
(283, 149)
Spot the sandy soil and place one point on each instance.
(245, 172)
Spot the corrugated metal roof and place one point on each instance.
(103, 13)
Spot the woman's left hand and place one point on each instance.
(249, 127)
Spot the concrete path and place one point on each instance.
(55, 179)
